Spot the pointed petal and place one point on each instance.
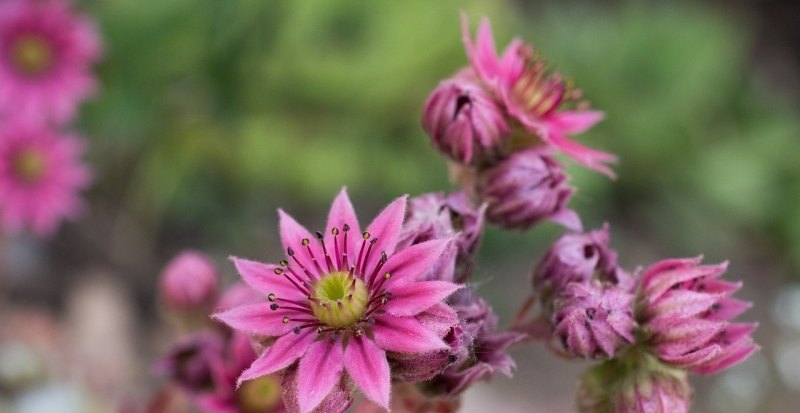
(342, 213)
(292, 236)
(386, 228)
(728, 360)
(367, 366)
(257, 319)
(569, 219)
(405, 335)
(280, 355)
(588, 157)
(575, 122)
(413, 298)
(413, 262)
(320, 370)
(262, 278)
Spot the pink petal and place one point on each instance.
(575, 122)
(405, 335)
(386, 228)
(262, 278)
(292, 236)
(569, 219)
(320, 370)
(588, 157)
(697, 357)
(367, 366)
(342, 213)
(684, 303)
(413, 298)
(257, 319)
(280, 355)
(729, 360)
(413, 262)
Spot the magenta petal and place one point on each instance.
(575, 122)
(695, 358)
(257, 319)
(588, 157)
(405, 335)
(366, 364)
(728, 360)
(262, 278)
(320, 370)
(413, 262)
(684, 303)
(280, 355)
(343, 214)
(567, 218)
(386, 228)
(292, 236)
(413, 298)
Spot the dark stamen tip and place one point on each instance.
(346, 228)
(319, 235)
(290, 251)
(273, 306)
(296, 330)
(452, 358)
(374, 240)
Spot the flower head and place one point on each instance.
(525, 189)
(592, 320)
(40, 175)
(437, 216)
(46, 53)
(340, 302)
(464, 121)
(542, 101)
(686, 311)
(189, 282)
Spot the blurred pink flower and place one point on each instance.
(189, 283)
(46, 53)
(687, 311)
(527, 188)
(533, 95)
(341, 304)
(464, 121)
(40, 176)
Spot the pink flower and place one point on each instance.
(40, 176)
(533, 95)
(525, 189)
(341, 303)
(189, 282)
(463, 120)
(592, 320)
(687, 311)
(46, 54)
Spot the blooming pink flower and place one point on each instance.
(46, 53)
(592, 319)
(464, 121)
(340, 302)
(40, 175)
(189, 282)
(525, 189)
(687, 311)
(535, 96)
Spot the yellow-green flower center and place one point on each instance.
(259, 395)
(339, 299)
(32, 54)
(29, 165)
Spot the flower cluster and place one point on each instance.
(46, 54)
(390, 311)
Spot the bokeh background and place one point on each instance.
(214, 113)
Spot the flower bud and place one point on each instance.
(592, 320)
(525, 189)
(686, 311)
(436, 216)
(578, 257)
(463, 120)
(635, 383)
(189, 283)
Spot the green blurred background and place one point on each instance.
(214, 113)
